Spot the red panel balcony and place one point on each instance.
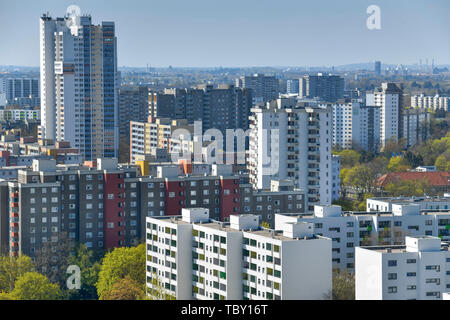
(14, 225)
(14, 194)
(14, 214)
(14, 234)
(14, 205)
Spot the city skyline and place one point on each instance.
(218, 35)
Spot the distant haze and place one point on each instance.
(236, 33)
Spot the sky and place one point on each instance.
(241, 33)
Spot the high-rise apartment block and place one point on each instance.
(264, 87)
(292, 86)
(389, 98)
(328, 88)
(378, 67)
(133, 106)
(355, 125)
(414, 126)
(418, 270)
(87, 203)
(224, 107)
(194, 257)
(291, 140)
(79, 84)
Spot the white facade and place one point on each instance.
(352, 229)
(194, 258)
(388, 98)
(335, 177)
(355, 125)
(19, 114)
(290, 140)
(385, 204)
(430, 102)
(419, 270)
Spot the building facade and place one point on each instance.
(290, 140)
(418, 270)
(194, 257)
(329, 88)
(79, 80)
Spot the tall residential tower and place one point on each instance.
(79, 84)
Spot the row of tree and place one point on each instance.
(116, 275)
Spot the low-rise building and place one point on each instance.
(418, 270)
(194, 257)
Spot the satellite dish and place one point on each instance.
(73, 10)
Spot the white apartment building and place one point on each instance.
(19, 114)
(388, 98)
(346, 123)
(418, 270)
(352, 229)
(79, 84)
(291, 140)
(424, 203)
(355, 125)
(430, 102)
(335, 177)
(194, 257)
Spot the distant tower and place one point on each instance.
(378, 67)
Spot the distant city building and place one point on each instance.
(205, 260)
(417, 270)
(264, 88)
(328, 88)
(355, 125)
(157, 133)
(290, 140)
(79, 80)
(19, 88)
(133, 106)
(224, 107)
(378, 67)
(414, 126)
(389, 99)
(292, 86)
(436, 102)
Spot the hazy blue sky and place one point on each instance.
(229, 33)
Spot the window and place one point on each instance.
(392, 276)
(392, 289)
(392, 263)
(410, 274)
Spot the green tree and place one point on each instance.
(118, 264)
(125, 289)
(349, 158)
(89, 264)
(442, 163)
(35, 286)
(398, 164)
(361, 178)
(408, 188)
(11, 268)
